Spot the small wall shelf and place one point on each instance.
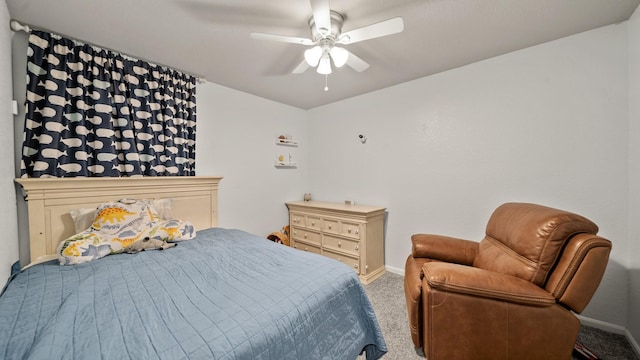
(286, 142)
(282, 161)
(282, 164)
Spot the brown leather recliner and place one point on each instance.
(510, 296)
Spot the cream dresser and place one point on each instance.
(352, 234)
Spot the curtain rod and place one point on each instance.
(16, 26)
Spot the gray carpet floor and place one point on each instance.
(387, 296)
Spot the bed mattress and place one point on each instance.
(226, 294)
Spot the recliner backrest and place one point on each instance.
(526, 240)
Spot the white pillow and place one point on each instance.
(82, 218)
(163, 206)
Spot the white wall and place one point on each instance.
(236, 139)
(634, 175)
(8, 217)
(547, 124)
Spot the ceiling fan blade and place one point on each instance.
(356, 63)
(383, 28)
(321, 10)
(281, 38)
(302, 67)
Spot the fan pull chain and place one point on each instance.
(326, 79)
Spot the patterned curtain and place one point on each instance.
(94, 112)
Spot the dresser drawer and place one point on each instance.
(352, 261)
(307, 247)
(305, 235)
(313, 222)
(297, 220)
(341, 244)
(331, 226)
(350, 229)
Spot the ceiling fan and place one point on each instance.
(326, 34)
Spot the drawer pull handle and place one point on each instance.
(357, 232)
(329, 226)
(356, 247)
(305, 236)
(339, 244)
(355, 266)
(313, 223)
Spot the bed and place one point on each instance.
(226, 294)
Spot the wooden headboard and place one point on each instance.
(49, 200)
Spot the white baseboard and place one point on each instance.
(598, 324)
(634, 344)
(394, 270)
(602, 325)
(612, 328)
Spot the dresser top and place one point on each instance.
(361, 209)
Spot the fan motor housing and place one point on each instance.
(336, 27)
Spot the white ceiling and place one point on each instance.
(210, 38)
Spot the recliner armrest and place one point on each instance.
(444, 248)
(483, 283)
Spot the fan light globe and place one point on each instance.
(339, 56)
(324, 67)
(312, 56)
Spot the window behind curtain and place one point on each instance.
(94, 112)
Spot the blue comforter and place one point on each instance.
(225, 295)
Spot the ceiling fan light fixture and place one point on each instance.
(339, 56)
(312, 56)
(324, 67)
(326, 32)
